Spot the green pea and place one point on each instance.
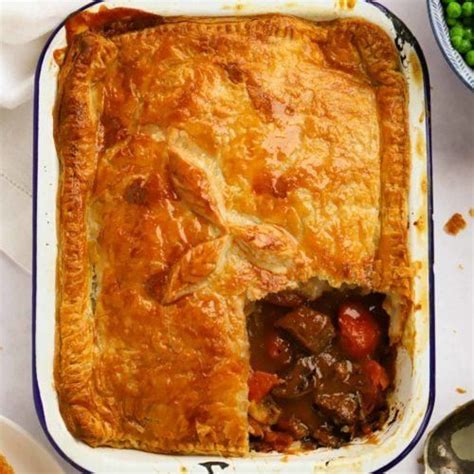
(456, 31)
(453, 22)
(468, 33)
(464, 46)
(456, 42)
(467, 9)
(470, 58)
(454, 10)
(468, 21)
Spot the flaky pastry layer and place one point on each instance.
(205, 163)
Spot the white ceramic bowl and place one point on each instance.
(22, 452)
(441, 33)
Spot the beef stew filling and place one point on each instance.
(320, 369)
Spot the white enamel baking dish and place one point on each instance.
(413, 398)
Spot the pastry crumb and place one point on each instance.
(421, 460)
(471, 212)
(420, 223)
(461, 266)
(460, 390)
(455, 224)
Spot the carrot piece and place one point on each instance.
(359, 331)
(260, 384)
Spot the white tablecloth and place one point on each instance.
(453, 162)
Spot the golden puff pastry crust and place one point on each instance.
(205, 163)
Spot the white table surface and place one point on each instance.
(453, 163)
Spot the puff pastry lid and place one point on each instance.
(226, 159)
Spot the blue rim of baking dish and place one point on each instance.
(403, 35)
(36, 391)
(441, 33)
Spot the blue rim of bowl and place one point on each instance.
(451, 56)
(403, 35)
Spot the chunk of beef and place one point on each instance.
(325, 437)
(341, 408)
(314, 330)
(285, 298)
(296, 428)
(299, 380)
(278, 348)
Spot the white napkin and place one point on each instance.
(24, 29)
